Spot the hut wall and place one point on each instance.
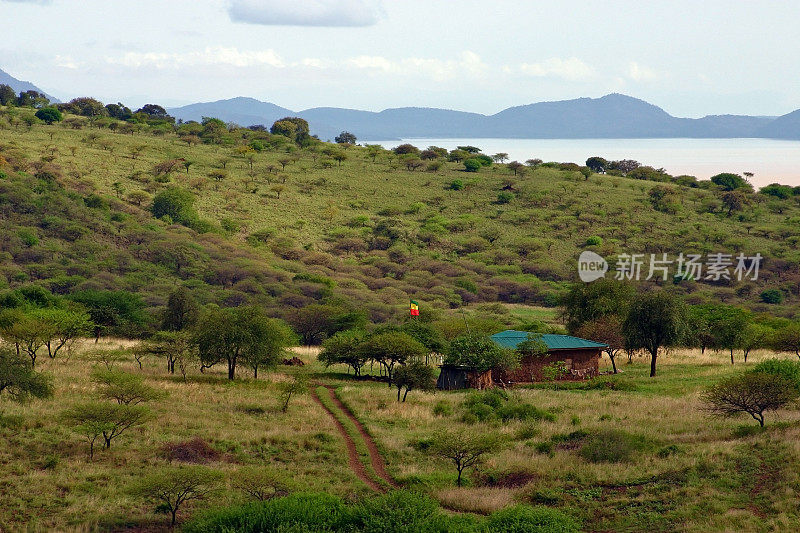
(582, 364)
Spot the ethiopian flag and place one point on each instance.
(414, 308)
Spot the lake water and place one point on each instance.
(770, 160)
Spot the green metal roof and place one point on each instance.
(511, 339)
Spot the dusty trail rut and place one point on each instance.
(376, 459)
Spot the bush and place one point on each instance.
(296, 512)
(611, 446)
(456, 185)
(49, 115)
(525, 519)
(788, 370)
(772, 296)
(504, 197)
(494, 404)
(472, 165)
(176, 203)
(594, 241)
(442, 408)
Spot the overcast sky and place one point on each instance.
(690, 57)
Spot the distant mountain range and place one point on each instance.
(21, 86)
(614, 116)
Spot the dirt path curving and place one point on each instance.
(355, 463)
(375, 457)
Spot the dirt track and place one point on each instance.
(376, 459)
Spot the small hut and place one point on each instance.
(581, 357)
(453, 377)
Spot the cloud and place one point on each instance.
(37, 2)
(218, 56)
(333, 13)
(571, 68)
(638, 72)
(468, 63)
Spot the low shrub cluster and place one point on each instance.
(495, 404)
(398, 511)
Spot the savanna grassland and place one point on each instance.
(627, 453)
(190, 244)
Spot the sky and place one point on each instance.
(692, 58)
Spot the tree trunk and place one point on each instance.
(731, 355)
(405, 394)
(255, 372)
(458, 480)
(398, 394)
(653, 357)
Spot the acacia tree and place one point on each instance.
(787, 339)
(414, 375)
(345, 138)
(463, 449)
(606, 329)
(175, 485)
(589, 301)
(61, 328)
(344, 348)
(754, 337)
(107, 420)
(655, 319)
(242, 333)
(392, 348)
(19, 380)
(753, 393)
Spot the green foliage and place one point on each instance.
(752, 392)
(344, 347)
(495, 404)
(777, 190)
(464, 450)
(123, 387)
(392, 348)
(772, 296)
(594, 240)
(456, 185)
(242, 334)
(479, 352)
(655, 319)
(414, 375)
(19, 380)
(788, 370)
(611, 446)
(173, 486)
(729, 181)
(472, 165)
(525, 519)
(113, 312)
(94, 420)
(590, 301)
(177, 204)
(48, 115)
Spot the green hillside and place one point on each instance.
(285, 225)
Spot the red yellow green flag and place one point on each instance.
(414, 308)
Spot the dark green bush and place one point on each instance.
(772, 296)
(525, 519)
(297, 513)
(787, 369)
